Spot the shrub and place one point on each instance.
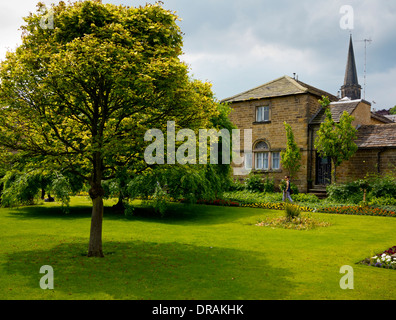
(282, 185)
(269, 185)
(255, 183)
(383, 187)
(388, 201)
(352, 192)
(345, 193)
(292, 211)
(294, 188)
(253, 197)
(236, 185)
(306, 197)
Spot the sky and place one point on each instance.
(240, 44)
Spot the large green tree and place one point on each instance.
(81, 95)
(336, 140)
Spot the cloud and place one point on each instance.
(237, 45)
(381, 85)
(11, 19)
(251, 63)
(264, 40)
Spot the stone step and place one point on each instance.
(320, 192)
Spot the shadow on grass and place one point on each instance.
(191, 214)
(176, 213)
(146, 270)
(49, 212)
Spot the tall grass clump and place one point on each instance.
(292, 211)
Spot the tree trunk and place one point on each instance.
(95, 239)
(96, 193)
(120, 204)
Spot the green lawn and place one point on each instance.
(200, 252)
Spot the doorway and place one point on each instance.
(323, 170)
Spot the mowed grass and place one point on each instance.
(198, 252)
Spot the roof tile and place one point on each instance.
(377, 136)
(283, 86)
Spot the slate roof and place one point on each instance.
(283, 86)
(337, 109)
(377, 136)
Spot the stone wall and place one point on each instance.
(362, 114)
(366, 162)
(296, 110)
(388, 162)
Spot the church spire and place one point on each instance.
(351, 87)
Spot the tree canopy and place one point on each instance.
(336, 140)
(291, 157)
(81, 96)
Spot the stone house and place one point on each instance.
(264, 109)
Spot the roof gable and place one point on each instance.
(337, 109)
(283, 86)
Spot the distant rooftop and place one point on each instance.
(391, 117)
(337, 109)
(283, 86)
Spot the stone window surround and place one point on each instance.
(270, 152)
(267, 104)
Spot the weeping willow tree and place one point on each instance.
(26, 186)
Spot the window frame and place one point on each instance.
(264, 158)
(264, 161)
(265, 110)
(278, 160)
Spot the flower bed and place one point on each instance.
(274, 206)
(297, 223)
(352, 210)
(273, 201)
(386, 259)
(359, 210)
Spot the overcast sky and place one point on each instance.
(240, 44)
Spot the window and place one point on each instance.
(264, 158)
(262, 114)
(262, 161)
(261, 146)
(248, 161)
(275, 160)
